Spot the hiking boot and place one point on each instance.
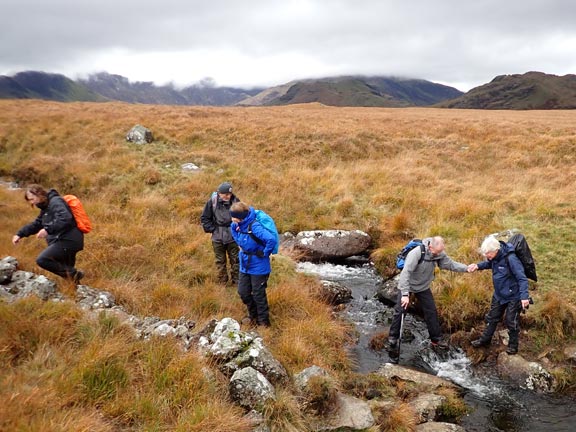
(78, 277)
(439, 345)
(391, 344)
(248, 321)
(265, 323)
(511, 350)
(479, 343)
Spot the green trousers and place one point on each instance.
(223, 253)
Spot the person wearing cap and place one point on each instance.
(216, 220)
(256, 244)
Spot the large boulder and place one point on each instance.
(257, 356)
(8, 266)
(439, 427)
(387, 293)
(139, 135)
(331, 244)
(250, 389)
(393, 371)
(529, 375)
(334, 293)
(350, 414)
(426, 406)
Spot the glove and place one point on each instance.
(260, 254)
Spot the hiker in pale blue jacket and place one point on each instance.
(256, 245)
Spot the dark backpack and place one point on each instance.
(522, 251)
(401, 257)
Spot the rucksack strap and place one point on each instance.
(256, 239)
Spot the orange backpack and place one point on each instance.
(82, 220)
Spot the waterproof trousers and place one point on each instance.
(493, 317)
(428, 307)
(58, 260)
(221, 252)
(252, 290)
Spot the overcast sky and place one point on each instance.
(268, 42)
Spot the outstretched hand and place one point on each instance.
(472, 268)
(15, 240)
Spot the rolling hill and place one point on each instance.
(532, 90)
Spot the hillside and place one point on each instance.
(356, 91)
(40, 85)
(532, 90)
(394, 173)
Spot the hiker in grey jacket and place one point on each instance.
(416, 277)
(216, 220)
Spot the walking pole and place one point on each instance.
(401, 331)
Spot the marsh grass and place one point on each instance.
(396, 174)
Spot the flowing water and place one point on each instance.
(496, 406)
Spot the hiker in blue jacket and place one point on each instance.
(256, 244)
(510, 291)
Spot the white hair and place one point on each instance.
(490, 244)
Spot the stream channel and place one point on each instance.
(496, 405)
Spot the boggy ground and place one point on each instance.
(395, 173)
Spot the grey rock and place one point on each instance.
(351, 414)
(190, 167)
(335, 293)
(24, 284)
(504, 337)
(139, 135)
(301, 379)
(390, 370)
(91, 298)
(250, 389)
(163, 330)
(426, 406)
(260, 358)
(8, 266)
(529, 375)
(228, 340)
(439, 427)
(387, 293)
(331, 244)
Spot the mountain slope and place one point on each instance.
(532, 90)
(356, 91)
(41, 85)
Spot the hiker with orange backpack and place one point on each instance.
(57, 225)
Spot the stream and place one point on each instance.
(496, 405)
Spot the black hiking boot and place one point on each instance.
(78, 277)
(480, 343)
(511, 350)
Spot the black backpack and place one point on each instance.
(522, 251)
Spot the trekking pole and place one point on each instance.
(401, 331)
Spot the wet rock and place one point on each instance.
(334, 293)
(250, 389)
(257, 356)
(529, 375)
(439, 427)
(331, 244)
(426, 406)
(8, 266)
(91, 298)
(387, 293)
(393, 371)
(351, 414)
(139, 135)
(227, 340)
(301, 379)
(570, 352)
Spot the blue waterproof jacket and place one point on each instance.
(250, 263)
(510, 282)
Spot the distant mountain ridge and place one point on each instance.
(532, 90)
(336, 91)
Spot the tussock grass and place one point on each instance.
(396, 174)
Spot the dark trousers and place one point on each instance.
(221, 251)
(58, 260)
(494, 315)
(428, 306)
(252, 290)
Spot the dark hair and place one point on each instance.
(38, 191)
(240, 207)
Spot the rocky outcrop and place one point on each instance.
(334, 293)
(90, 298)
(8, 266)
(18, 284)
(330, 245)
(393, 371)
(529, 375)
(139, 135)
(439, 427)
(426, 406)
(250, 389)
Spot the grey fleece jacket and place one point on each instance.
(418, 277)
